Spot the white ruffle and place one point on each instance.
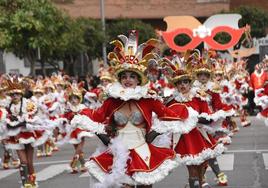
(261, 117)
(215, 127)
(3, 131)
(84, 122)
(4, 115)
(116, 90)
(261, 101)
(42, 139)
(30, 140)
(203, 156)
(182, 127)
(163, 140)
(80, 136)
(149, 178)
(118, 173)
(225, 140)
(14, 146)
(13, 132)
(218, 115)
(138, 178)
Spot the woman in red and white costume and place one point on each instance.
(52, 109)
(10, 156)
(25, 130)
(130, 159)
(197, 146)
(241, 82)
(262, 100)
(76, 134)
(261, 90)
(209, 91)
(228, 96)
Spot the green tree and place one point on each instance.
(26, 25)
(122, 26)
(257, 18)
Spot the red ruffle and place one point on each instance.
(194, 143)
(135, 163)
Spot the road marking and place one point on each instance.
(5, 173)
(265, 159)
(86, 174)
(247, 151)
(226, 162)
(51, 162)
(51, 171)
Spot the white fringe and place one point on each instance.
(84, 122)
(138, 178)
(163, 141)
(182, 127)
(42, 139)
(203, 156)
(118, 174)
(3, 117)
(80, 136)
(218, 115)
(149, 178)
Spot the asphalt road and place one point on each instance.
(245, 163)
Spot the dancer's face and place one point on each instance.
(203, 77)
(16, 97)
(129, 79)
(218, 77)
(74, 100)
(105, 82)
(183, 86)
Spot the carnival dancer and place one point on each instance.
(51, 108)
(106, 78)
(206, 89)
(262, 100)
(241, 81)
(261, 92)
(38, 93)
(23, 131)
(10, 156)
(130, 159)
(227, 92)
(197, 146)
(76, 135)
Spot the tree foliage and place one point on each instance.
(122, 26)
(257, 18)
(28, 25)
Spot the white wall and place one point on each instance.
(14, 64)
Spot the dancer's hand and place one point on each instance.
(151, 136)
(104, 138)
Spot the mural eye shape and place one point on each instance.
(234, 35)
(172, 37)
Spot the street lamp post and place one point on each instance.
(103, 29)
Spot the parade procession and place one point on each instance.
(158, 112)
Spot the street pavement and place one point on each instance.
(245, 163)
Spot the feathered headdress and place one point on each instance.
(203, 63)
(38, 87)
(180, 68)
(76, 89)
(107, 74)
(128, 56)
(15, 85)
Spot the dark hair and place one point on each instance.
(138, 76)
